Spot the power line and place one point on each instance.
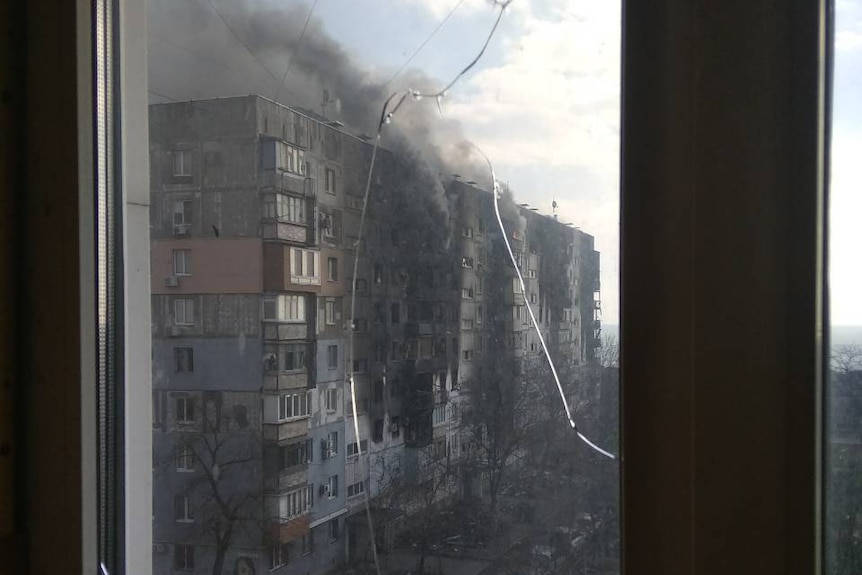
(196, 54)
(240, 40)
(422, 45)
(297, 49)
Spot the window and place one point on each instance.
(279, 555)
(360, 365)
(289, 159)
(332, 357)
(480, 284)
(467, 355)
(294, 503)
(332, 269)
(356, 489)
(377, 431)
(327, 225)
(332, 310)
(285, 357)
(185, 458)
(329, 446)
(329, 181)
(294, 405)
(468, 232)
(394, 426)
(182, 163)
(333, 530)
(285, 307)
(184, 312)
(182, 509)
(184, 557)
(184, 408)
(467, 324)
(360, 285)
(308, 543)
(299, 453)
(182, 213)
(156, 87)
(304, 266)
(353, 448)
(331, 399)
(532, 274)
(480, 314)
(467, 263)
(439, 414)
(330, 488)
(284, 208)
(395, 312)
(466, 293)
(516, 285)
(378, 274)
(182, 262)
(184, 359)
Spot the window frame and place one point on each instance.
(663, 41)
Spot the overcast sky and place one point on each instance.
(543, 103)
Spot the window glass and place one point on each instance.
(844, 390)
(374, 290)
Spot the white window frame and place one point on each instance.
(331, 311)
(304, 266)
(332, 483)
(181, 416)
(330, 448)
(183, 209)
(330, 399)
(288, 308)
(184, 312)
(294, 406)
(182, 261)
(182, 163)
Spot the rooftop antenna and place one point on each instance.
(554, 208)
(324, 103)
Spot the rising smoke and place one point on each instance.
(246, 46)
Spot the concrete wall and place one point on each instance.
(217, 266)
(220, 363)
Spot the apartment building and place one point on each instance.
(260, 325)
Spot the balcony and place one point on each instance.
(285, 181)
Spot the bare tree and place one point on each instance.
(222, 498)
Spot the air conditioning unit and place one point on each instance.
(171, 281)
(182, 229)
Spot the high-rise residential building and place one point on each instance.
(270, 351)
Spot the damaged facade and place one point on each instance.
(255, 211)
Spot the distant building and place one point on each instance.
(255, 214)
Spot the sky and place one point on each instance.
(846, 178)
(543, 103)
